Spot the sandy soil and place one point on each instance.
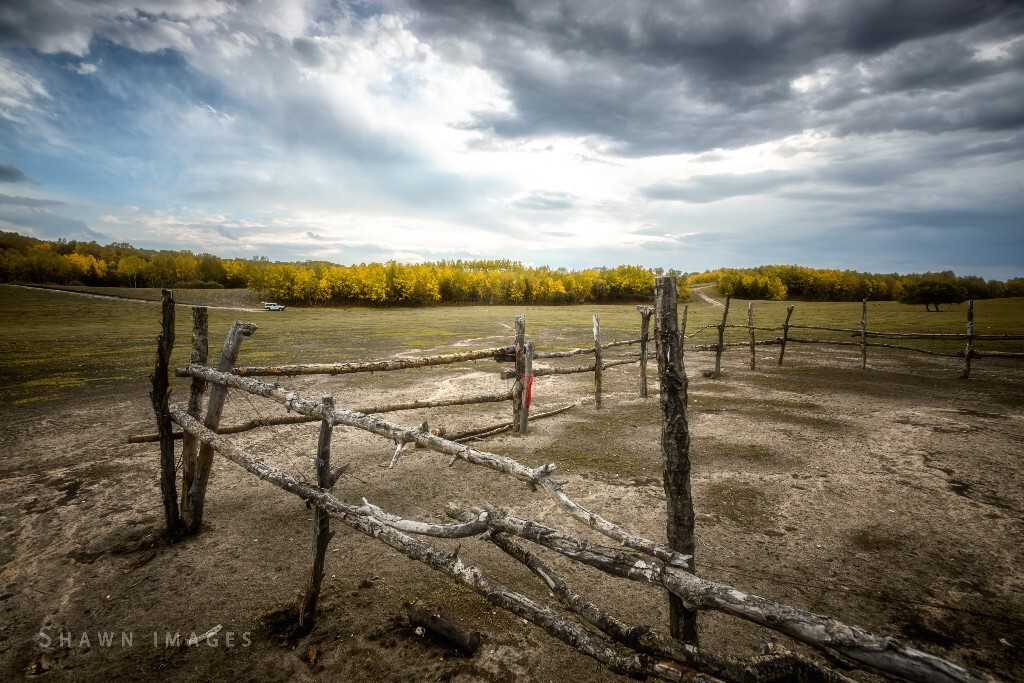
(889, 498)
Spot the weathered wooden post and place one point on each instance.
(645, 326)
(864, 337)
(969, 351)
(785, 333)
(192, 514)
(528, 388)
(721, 338)
(200, 355)
(322, 533)
(750, 328)
(518, 387)
(597, 360)
(160, 396)
(675, 446)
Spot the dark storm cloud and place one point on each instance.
(661, 77)
(28, 201)
(9, 173)
(712, 188)
(35, 219)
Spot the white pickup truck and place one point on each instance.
(271, 306)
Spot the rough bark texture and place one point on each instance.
(321, 524)
(432, 619)
(785, 334)
(869, 651)
(645, 326)
(587, 350)
(160, 396)
(864, 336)
(384, 365)
(518, 388)
(675, 446)
(778, 666)
(524, 414)
(750, 329)
(597, 360)
(969, 351)
(538, 477)
(192, 513)
(200, 355)
(545, 372)
(482, 432)
(721, 337)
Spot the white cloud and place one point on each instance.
(20, 92)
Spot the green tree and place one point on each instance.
(933, 293)
(129, 269)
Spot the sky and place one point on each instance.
(873, 135)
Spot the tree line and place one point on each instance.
(70, 262)
(787, 282)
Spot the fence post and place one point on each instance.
(864, 336)
(192, 514)
(750, 327)
(721, 338)
(597, 360)
(518, 388)
(785, 333)
(969, 351)
(675, 447)
(528, 387)
(645, 326)
(160, 396)
(200, 356)
(322, 533)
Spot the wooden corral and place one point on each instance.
(577, 619)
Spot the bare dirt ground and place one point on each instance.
(889, 498)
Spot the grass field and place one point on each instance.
(55, 344)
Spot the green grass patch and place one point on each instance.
(76, 340)
(991, 316)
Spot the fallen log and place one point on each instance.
(547, 371)
(483, 432)
(539, 477)
(872, 652)
(383, 365)
(369, 410)
(994, 354)
(438, 623)
(615, 657)
(779, 666)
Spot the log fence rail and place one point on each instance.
(635, 650)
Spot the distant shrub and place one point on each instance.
(197, 284)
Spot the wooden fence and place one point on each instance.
(635, 650)
(968, 353)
